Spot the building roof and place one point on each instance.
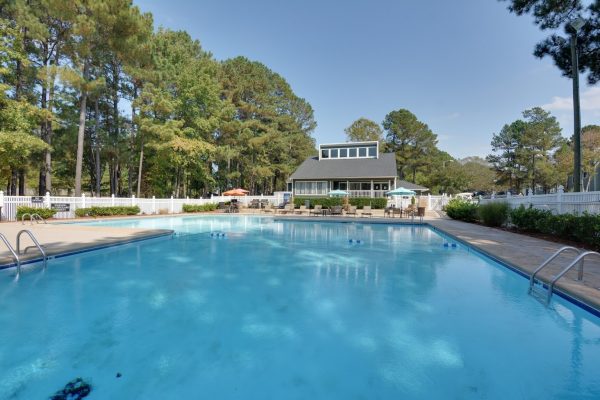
(313, 168)
(410, 185)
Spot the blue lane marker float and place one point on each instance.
(447, 244)
(357, 241)
(218, 234)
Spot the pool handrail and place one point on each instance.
(579, 259)
(37, 244)
(15, 255)
(548, 261)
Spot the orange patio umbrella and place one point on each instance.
(236, 192)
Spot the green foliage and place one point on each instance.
(554, 15)
(376, 203)
(527, 219)
(412, 141)
(194, 208)
(107, 211)
(493, 214)
(462, 210)
(363, 130)
(45, 213)
(323, 201)
(584, 228)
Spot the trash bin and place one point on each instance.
(421, 211)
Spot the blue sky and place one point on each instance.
(464, 67)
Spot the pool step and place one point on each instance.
(539, 292)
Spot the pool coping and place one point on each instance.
(154, 235)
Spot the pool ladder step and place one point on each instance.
(16, 253)
(543, 291)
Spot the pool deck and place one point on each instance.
(521, 252)
(59, 239)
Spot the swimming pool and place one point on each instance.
(289, 310)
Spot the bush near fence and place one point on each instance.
(194, 208)
(45, 213)
(107, 211)
(359, 202)
(493, 214)
(462, 210)
(582, 228)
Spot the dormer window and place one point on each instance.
(349, 150)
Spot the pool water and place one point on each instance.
(289, 310)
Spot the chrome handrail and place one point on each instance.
(15, 255)
(37, 244)
(580, 258)
(552, 257)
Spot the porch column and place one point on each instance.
(372, 195)
(394, 182)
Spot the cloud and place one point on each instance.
(589, 99)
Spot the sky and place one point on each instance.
(464, 67)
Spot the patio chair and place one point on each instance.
(351, 210)
(336, 210)
(301, 210)
(254, 204)
(366, 210)
(318, 210)
(288, 208)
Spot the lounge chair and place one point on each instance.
(366, 210)
(268, 208)
(351, 210)
(336, 210)
(301, 210)
(287, 209)
(318, 210)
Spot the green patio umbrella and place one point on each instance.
(338, 193)
(401, 192)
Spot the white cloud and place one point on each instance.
(589, 99)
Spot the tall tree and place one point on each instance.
(412, 141)
(364, 129)
(505, 157)
(554, 15)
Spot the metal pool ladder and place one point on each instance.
(35, 242)
(32, 217)
(544, 294)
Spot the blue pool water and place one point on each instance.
(290, 310)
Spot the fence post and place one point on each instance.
(172, 205)
(493, 196)
(559, 199)
(153, 205)
(133, 200)
(47, 200)
(429, 201)
(112, 200)
(82, 200)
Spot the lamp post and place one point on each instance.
(576, 26)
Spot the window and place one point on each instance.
(333, 153)
(365, 186)
(354, 185)
(372, 152)
(343, 153)
(324, 153)
(352, 152)
(340, 185)
(310, 188)
(362, 151)
(384, 186)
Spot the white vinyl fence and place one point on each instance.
(9, 204)
(559, 202)
(153, 205)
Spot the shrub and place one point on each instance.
(528, 219)
(359, 202)
(107, 211)
(493, 214)
(376, 203)
(194, 208)
(45, 213)
(462, 210)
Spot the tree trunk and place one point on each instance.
(81, 132)
(21, 182)
(13, 182)
(139, 181)
(97, 149)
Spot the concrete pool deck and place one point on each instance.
(60, 239)
(521, 252)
